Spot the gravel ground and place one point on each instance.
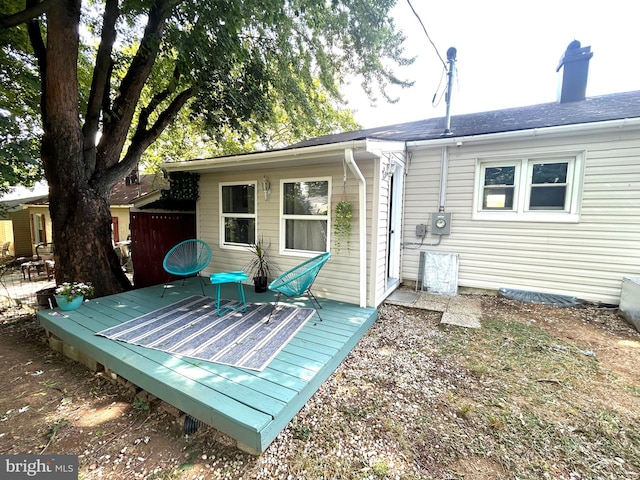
(407, 403)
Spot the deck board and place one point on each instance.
(251, 407)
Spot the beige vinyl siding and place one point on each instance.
(337, 280)
(23, 246)
(6, 235)
(587, 259)
(122, 214)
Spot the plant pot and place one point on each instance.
(46, 297)
(67, 305)
(260, 284)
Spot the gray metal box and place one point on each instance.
(440, 223)
(630, 300)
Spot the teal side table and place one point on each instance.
(219, 279)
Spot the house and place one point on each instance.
(26, 222)
(540, 198)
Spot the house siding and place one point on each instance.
(23, 246)
(587, 259)
(6, 235)
(122, 214)
(339, 277)
(380, 242)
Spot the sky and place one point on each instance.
(507, 54)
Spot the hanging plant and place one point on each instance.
(342, 224)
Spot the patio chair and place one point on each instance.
(298, 281)
(5, 249)
(187, 259)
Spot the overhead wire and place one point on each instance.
(434, 103)
(427, 34)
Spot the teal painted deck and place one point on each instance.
(251, 407)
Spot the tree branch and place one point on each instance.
(158, 98)
(143, 138)
(101, 71)
(31, 12)
(100, 82)
(40, 50)
(117, 125)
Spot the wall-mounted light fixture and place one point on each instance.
(266, 188)
(388, 170)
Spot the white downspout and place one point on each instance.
(362, 209)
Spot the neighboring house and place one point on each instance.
(25, 224)
(540, 198)
(27, 221)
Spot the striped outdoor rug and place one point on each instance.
(191, 328)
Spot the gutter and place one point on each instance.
(264, 158)
(362, 221)
(610, 125)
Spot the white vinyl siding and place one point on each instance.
(586, 258)
(339, 277)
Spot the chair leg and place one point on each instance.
(165, 285)
(201, 283)
(313, 299)
(275, 305)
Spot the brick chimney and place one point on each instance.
(573, 83)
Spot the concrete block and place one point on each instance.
(55, 344)
(170, 409)
(74, 354)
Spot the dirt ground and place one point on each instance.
(50, 404)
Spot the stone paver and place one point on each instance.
(457, 310)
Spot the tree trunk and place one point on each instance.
(78, 203)
(83, 242)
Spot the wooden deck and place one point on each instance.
(251, 407)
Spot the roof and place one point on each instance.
(614, 106)
(123, 193)
(15, 204)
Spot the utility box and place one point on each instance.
(630, 300)
(438, 273)
(440, 223)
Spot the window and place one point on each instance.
(305, 215)
(38, 226)
(238, 214)
(544, 188)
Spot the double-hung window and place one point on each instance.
(237, 214)
(305, 215)
(541, 188)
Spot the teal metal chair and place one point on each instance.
(298, 281)
(187, 259)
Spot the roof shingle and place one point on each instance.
(614, 106)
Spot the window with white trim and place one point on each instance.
(541, 188)
(238, 213)
(305, 215)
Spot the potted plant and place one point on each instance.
(70, 295)
(259, 268)
(342, 225)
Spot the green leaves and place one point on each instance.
(259, 73)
